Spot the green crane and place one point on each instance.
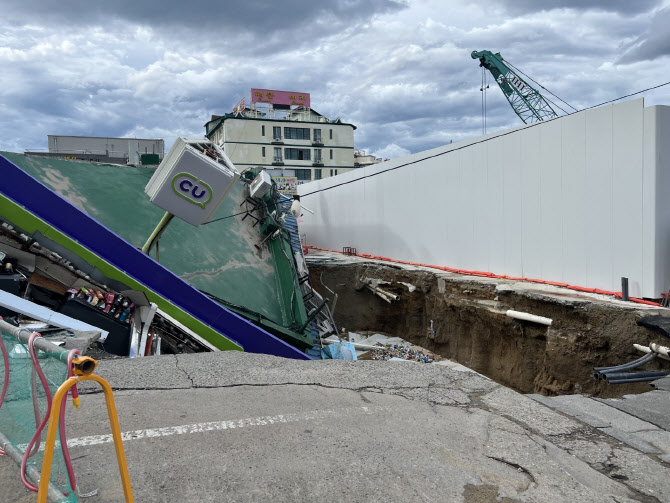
(526, 101)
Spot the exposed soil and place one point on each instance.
(469, 326)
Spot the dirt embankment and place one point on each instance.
(469, 326)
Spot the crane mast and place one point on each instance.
(526, 101)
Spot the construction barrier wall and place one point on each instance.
(582, 199)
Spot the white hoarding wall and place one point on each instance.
(582, 200)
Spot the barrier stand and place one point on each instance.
(83, 370)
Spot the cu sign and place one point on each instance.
(193, 190)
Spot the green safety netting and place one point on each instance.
(17, 413)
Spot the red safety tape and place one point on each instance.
(492, 275)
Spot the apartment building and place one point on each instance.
(281, 133)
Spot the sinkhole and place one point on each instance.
(463, 319)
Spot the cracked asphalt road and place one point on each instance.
(237, 427)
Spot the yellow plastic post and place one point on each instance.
(50, 443)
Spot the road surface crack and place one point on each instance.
(518, 467)
(176, 362)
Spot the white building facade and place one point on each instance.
(297, 142)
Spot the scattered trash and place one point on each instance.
(387, 353)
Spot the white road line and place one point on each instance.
(221, 425)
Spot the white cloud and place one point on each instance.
(391, 151)
(405, 77)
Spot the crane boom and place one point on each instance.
(526, 101)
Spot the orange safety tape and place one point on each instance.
(493, 275)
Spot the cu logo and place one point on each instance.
(193, 190)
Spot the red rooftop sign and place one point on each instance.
(279, 97)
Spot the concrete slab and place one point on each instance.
(81, 340)
(530, 413)
(640, 473)
(140, 373)
(659, 439)
(652, 407)
(233, 368)
(571, 411)
(599, 413)
(662, 384)
(239, 427)
(631, 439)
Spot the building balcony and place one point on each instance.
(278, 161)
(318, 163)
(277, 141)
(317, 143)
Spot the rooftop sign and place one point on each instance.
(279, 97)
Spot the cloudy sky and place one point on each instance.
(400, 70)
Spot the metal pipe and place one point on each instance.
(389, 294)
(624, 288)
(312, 315)
(631, 375)
(371, 288)
(23, 334)
(158, 231)
(383, 294)
(53, 493)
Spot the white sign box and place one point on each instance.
(192, 180)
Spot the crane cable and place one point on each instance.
(536, 82)
(483, 88)
(484, 140)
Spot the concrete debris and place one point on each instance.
(399, 352)
(409, 286)
(377, 339)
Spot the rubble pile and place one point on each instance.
(401, 352)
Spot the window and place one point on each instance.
(276, 133)
(317, 174)
(331, 154)
(333, 172)
(296, 133)
(317, 155)
(331, 134)
(303, 174)
(262, 130)
(277, 154)
(263, 151)
(317, 135)
(297, 154)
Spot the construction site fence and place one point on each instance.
(37, 376)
